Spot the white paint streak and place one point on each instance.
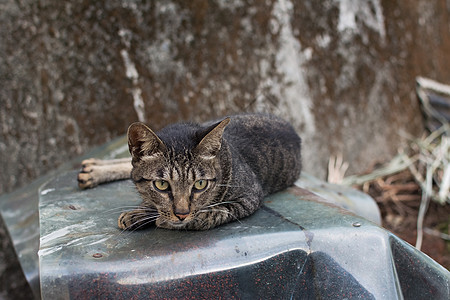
(130, 68)
(84, 241)
(290, 59)
(57, 234)
(47, 251)
(66, 236)
(138, 103)
(132, 74)
(54, 235)
(351, 10)
(45, 192)
(347, 14)
(118, 152)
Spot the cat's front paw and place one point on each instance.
(132, 220)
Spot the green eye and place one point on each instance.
(200, 185)
(161, 185)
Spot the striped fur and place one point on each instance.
(242, 158)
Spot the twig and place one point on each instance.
(437, 233)
(337, 168)
(398, 163)
(437, 133)
(426, 193)
(397, 188)
(402, 176)
(445, 186)
(406, 198)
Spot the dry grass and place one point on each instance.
(404, 189)
(416, 180)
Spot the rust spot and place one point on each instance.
(72, 207)
(97, 255)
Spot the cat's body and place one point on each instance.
(199, 176)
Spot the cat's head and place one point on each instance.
(178, 172)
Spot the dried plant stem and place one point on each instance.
(445, 185)
(437, 233)
(337, 168)
(398, 164)
(426, 195)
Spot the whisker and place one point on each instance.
(214, 210)
(122, 208)
(145, 215)
(145, 221)
(148, 208)
(220, 203)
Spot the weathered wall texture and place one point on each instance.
(76, 73)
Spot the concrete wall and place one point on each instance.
(74, 74)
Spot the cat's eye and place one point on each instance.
(200, 185)
(161, 185)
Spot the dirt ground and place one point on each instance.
(437, 219)
(399, 198)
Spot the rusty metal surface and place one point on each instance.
(294, 247)
(347, 198)
(20, 213)
(20, 208)
(82, 250)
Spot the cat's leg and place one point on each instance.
(102, 162)
(137, 219)
(231, 210)
(96, 171)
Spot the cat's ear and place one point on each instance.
(210, 144)
(143, 141)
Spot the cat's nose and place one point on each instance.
(182, 214)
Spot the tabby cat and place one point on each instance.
(193, 176)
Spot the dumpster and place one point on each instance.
(311, 241)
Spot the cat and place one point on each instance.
(197, 177)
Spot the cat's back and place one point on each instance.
(265, 126)
(269, 145)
